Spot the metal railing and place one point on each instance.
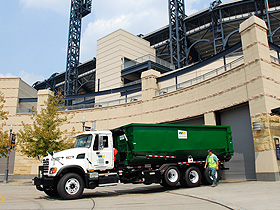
(106, 103)
(274, 59)
(147, 58)
(201, 78)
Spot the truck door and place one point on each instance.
(103, 152)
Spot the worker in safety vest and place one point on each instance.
(213, 163)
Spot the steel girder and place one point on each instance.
(79, 9)
(177, 33)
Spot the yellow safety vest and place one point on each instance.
(210, 160)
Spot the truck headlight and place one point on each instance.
(53, 170)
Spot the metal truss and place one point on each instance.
(211, 31)
(177, 33)
(217, 25)
(86, 79)
(262, 9)
(79, 9)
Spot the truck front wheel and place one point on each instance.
(171, 177)
(70, 186)
(51, 192)
(191, 177)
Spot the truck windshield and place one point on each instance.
(83, 141)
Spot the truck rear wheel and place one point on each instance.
(171, 177)
(191, 177)
(70, 186)
(207, 179)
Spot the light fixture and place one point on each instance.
(83, 122)
(257, 126)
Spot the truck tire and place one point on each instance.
(191, 177)
(171, 177)
(51, 192)
(70, 186)
(207, 179)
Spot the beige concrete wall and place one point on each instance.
(25, 91)
(111, 51)
(10, 88)
(210, 118)
(13, 89)
(220, 92)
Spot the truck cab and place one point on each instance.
(99, 149)
(93, 151)
(89, 163)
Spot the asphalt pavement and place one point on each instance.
(227, 195)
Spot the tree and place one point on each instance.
(4, 136)
(45, 135)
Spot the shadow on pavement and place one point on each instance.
(133, 190)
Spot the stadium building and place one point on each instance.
(221, 68)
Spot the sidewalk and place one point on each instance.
(239, 195)
(249, 195)
(17, 182)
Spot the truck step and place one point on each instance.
(108, 184)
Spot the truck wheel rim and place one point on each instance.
(193, 176)
(172, 175)
(72, 186)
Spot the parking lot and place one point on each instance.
(228, 195)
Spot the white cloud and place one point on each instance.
(136, 17)
(29, 78)
(59, 6)
(7, 75)
(96, 30)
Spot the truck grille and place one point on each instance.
(45, 165)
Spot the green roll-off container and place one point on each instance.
(135, 142)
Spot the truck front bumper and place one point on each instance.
(42, 182)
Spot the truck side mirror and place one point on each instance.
(101, 146)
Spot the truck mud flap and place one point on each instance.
(151, 177)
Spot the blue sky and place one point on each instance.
(34, 33)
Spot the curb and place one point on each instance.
(17, 177)
(19, 182)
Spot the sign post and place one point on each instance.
(8, 156)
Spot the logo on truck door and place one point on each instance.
(182, 134)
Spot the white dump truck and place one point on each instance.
(135, 153)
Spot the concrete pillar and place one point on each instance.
(210, 118)
(149, 84)
(254, 39)
(258, 69)
(42, 96)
